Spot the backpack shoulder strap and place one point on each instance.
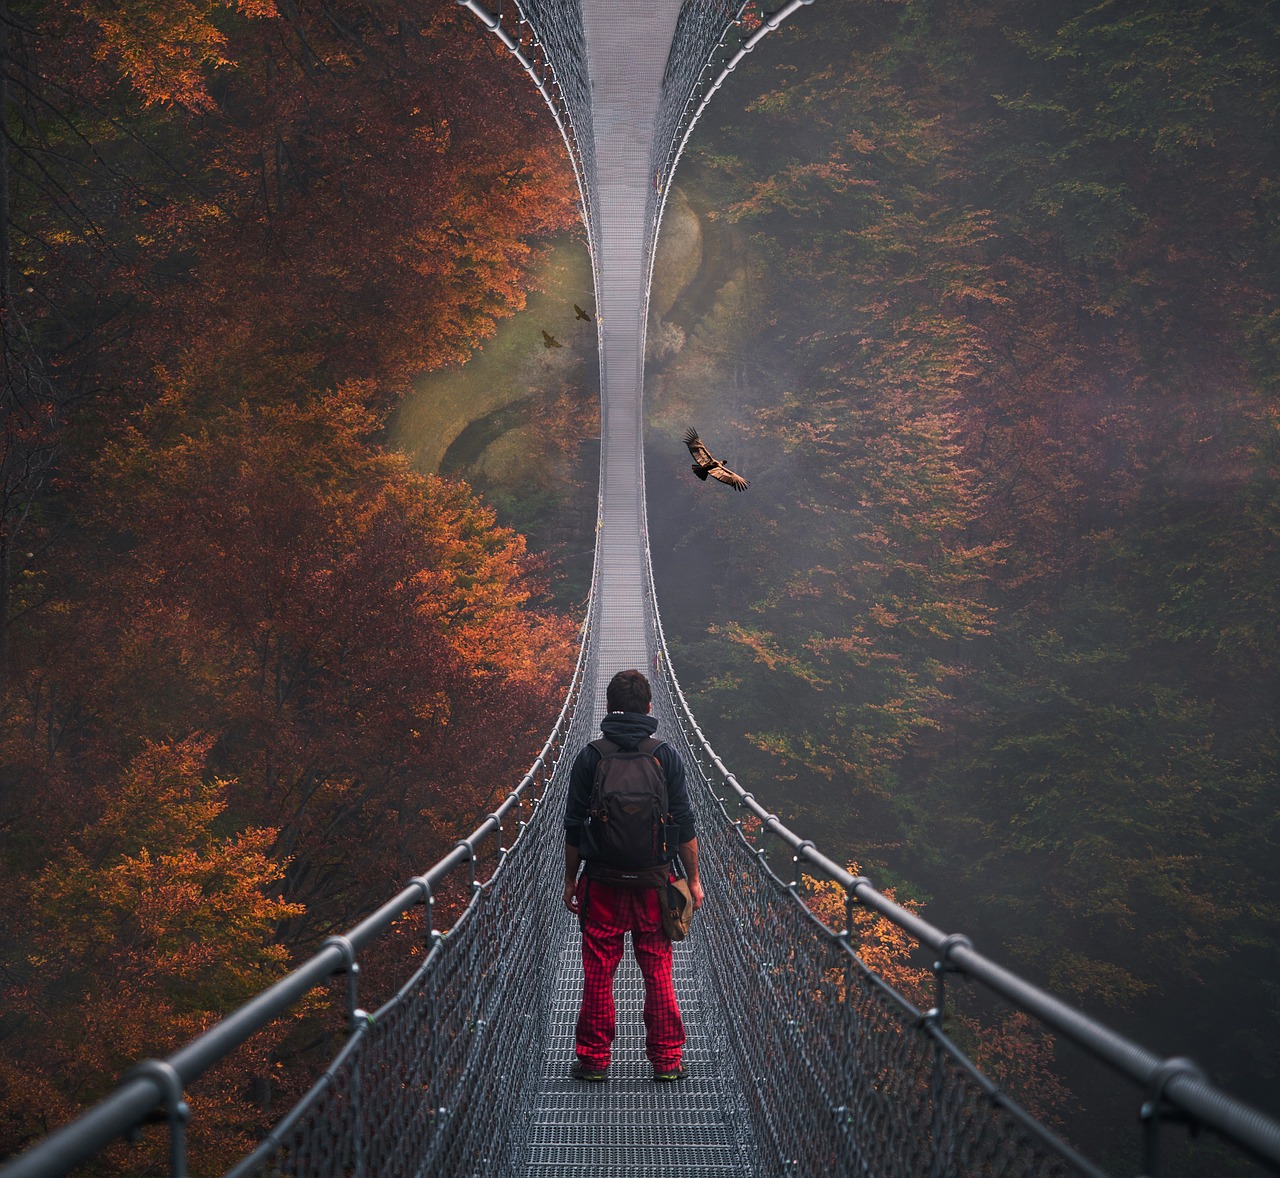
(650, 746)
(605, 748)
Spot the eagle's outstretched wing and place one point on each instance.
(701, 455)
(725, 475)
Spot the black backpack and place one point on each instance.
(628, 838)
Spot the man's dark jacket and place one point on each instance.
(626, 730)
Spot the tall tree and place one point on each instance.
(147, 925)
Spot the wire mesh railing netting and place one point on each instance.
(701, 40)
(555, 56)
(561, 42)
(440, 1079)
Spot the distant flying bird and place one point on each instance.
(704, 464)
(550, 341)
(580, 313)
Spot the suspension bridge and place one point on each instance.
(802, 1061)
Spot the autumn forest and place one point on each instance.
(998, 349)
(256, 670)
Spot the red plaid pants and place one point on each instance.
(607, 913)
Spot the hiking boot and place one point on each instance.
(581, 1070)
(667, 1075)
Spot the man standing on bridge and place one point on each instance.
(618, 892)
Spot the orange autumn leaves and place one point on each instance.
(150, 923)
(165, 48)
(179, 915)
(366, 632)
(314, 667)
(1010, 1048)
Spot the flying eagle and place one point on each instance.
(550, 341)
(579, 313)
(704, 464)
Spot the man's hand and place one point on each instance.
(689, 857)
(571, 878)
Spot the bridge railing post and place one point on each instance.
(177, 1113)
(351, 969)
(356, 1018)
(934, 1021)
(469, 847)
(1156, 1110)
(423, 884)
(797, 855)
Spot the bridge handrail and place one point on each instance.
(157, 1084)
(1174, 1080)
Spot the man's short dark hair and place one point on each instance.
(628, 691)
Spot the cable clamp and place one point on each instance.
(497, 821)
(943, 966)
(424, 886)
(950, 945)
(930, 1018)
(348, 952)
(1165, 1071)
(1155, 1111)
(429, 903)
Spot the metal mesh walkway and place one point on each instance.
(627, 48)
(630, 1124)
